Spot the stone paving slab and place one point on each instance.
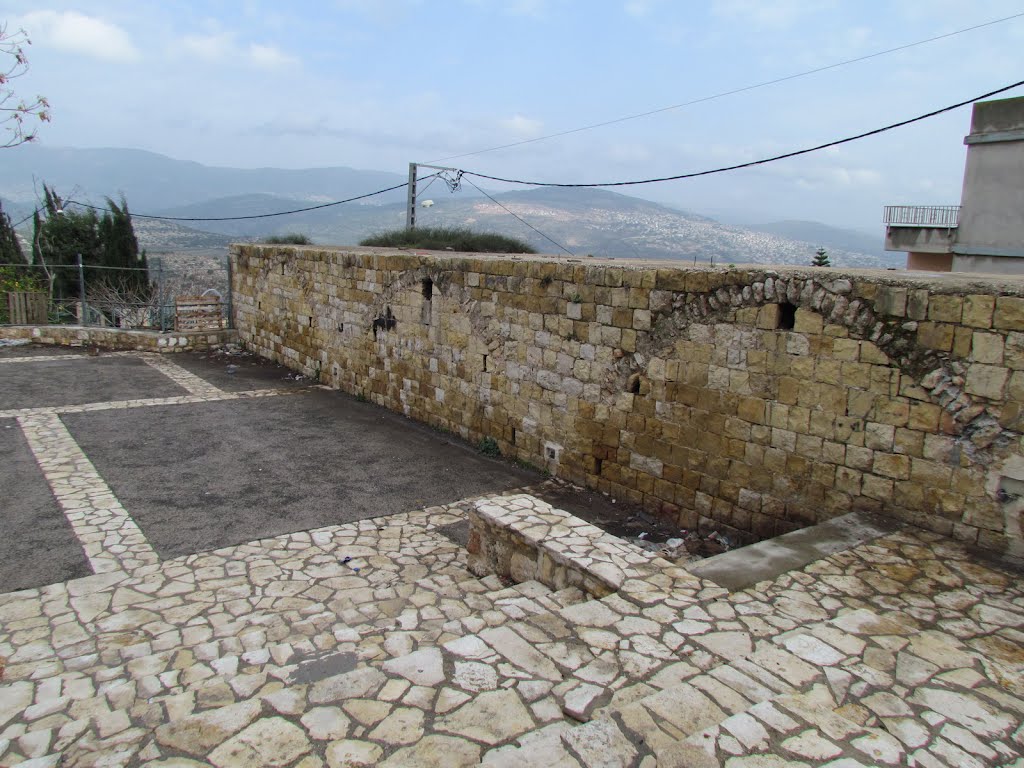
(371, 643)
(44, 381)
(455, 670)
(221, 473)
(37, 545)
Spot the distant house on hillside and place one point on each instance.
(985, 233)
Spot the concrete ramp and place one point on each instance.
(744, 567)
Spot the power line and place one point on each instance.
(253, 216)
(733, 92)
(752, 163)
(520, 219)
(22, 221)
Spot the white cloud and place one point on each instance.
(639, 8)
(270, 57)
(208, 47)
(219, 46)
(522, 127)
(77, 33)
(832, 177)
(769, 13)
(534, 8)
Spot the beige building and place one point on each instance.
(985, 233)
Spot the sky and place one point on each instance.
(376, 84)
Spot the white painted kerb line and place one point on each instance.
(188, 381)
(111, 539)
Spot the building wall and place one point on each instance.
(992, 201)
(750, 400)
(992, 212)
(930, 262)
(989, 265)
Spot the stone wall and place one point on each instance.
(751, 400)
(119, 338)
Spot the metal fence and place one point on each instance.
(947, 216)
(171, 294)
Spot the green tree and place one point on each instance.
(59, 237)
(120, 249)
(10, 246)
(821, 258)
(114, 265)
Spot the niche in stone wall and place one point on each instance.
(427, 286)
(786, 316)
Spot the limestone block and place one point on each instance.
(1013, 351)
(875, 487)
(917, 304)
(892, 412)
(978, 311)
(935, 336)
(808, 321)
(768, 317)
(987, 348)
(641, 319)
(879, 436)
(1009, 313)
(1015, 390)
(848, 480)
(962, 339)
(946, 309)
(986, 380)
(891, 301)
(892, 465)
(869, 353)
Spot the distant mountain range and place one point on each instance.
(584, 221)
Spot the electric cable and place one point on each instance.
(421, 191)
(732, 92)
(520, 219)
(751, 163)
(253, 216)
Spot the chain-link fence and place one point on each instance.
(174, 293)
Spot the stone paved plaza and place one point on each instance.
(369, 641)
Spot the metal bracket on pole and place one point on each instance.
(410, 211)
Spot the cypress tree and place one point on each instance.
(120, 249)
(10, 246)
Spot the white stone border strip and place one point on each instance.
(114, 405)
(43, 358)
(184, 379)
(85, 355)
(111, 539)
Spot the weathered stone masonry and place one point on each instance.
(752, 400)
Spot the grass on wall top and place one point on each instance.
(445, 238)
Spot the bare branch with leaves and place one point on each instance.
(17, 116)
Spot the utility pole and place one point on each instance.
(410, 210)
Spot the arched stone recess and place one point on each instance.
(975, 422)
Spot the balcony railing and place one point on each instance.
(947, 216)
